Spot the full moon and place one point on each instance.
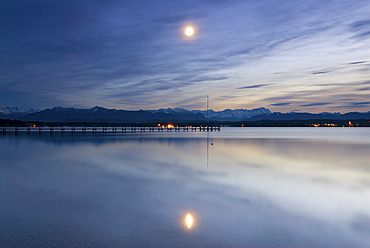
(189, 31)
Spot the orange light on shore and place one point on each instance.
(170, 126)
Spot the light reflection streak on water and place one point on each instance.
(189, 220)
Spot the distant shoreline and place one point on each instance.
(262, 123)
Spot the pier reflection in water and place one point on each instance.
(136, 190)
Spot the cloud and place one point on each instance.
(357, 62)
(288, 96)
(365, 82)
(174, 18)
(280, 104)
(207, 78)
(320, 72)
(362, 28)
(352, 106)
(221, 98)
(363, 35)
(364, 89)
(315, 104)
(252, 86)
(360, 25)
(360, 103)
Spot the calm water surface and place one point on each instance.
(244, 187)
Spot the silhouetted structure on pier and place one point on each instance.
(72, 130)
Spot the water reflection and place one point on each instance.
(129, 191)
(189, 220)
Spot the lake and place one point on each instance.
(243, 187)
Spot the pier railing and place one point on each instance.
(72, 130)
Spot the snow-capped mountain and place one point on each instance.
(224, 115)
(15, 112)
(169, 110)
(328, 113)
(100, 114)
(11, 110)
(233, 114)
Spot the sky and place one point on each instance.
(284, 55)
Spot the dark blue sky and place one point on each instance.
(286, 55)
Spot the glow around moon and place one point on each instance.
(189, 31)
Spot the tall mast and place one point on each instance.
(207, 110)
(207, 131)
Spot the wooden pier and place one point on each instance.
(73, 130)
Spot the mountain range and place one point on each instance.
(100, 114)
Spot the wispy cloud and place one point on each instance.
(360, 103)
(357, 62)
(315, 104)
(320, 72)
(222, 98)
(280, 104)
(360, 25)
(364, 89)
(252, 86)
(361, 28)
